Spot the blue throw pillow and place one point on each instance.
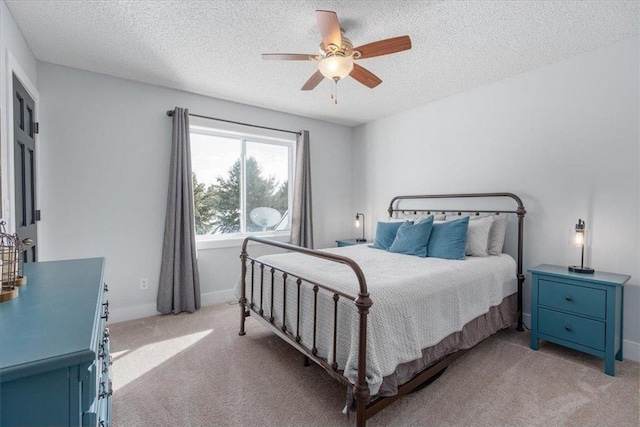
(386, 234)
(412, 239)
(448, 239)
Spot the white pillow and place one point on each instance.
(419, 216)
(478, 236)
(396, 220)
(453, 217)
(419, 219)
(497, 234)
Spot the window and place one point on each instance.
(241, 183)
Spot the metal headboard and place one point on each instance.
(519, 211)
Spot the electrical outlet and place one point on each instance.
(144, 284)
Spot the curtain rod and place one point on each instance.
(170, 114)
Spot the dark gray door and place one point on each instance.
(24, 154)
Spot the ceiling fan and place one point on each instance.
(337, 55)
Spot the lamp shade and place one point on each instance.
(336, 67)
(578, 236)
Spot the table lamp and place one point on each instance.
(358, 215)
(579, 239)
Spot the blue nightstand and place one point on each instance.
(350, 242)
(579, 311)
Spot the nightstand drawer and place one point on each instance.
(572, 298)
(576, 329)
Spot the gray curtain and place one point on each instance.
(179, 288)
(301, 220)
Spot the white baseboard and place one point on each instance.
(123, 314)
(630, 349)
(526, 319)
(117, 315)
(218, 297)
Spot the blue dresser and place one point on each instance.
(54, 347)
(580, 311)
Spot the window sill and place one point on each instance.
(236, 241)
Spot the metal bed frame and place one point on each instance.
(362, 302)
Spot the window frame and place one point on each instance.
(210, 241)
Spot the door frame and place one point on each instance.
(14, 67)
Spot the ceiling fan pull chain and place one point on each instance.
(335, 99)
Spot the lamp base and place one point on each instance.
(361, 240)
(581, 269)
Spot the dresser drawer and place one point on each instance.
(587, 332)
(575, 299)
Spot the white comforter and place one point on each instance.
(416, 302)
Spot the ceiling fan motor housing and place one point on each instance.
(345, 49)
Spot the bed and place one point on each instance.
(384, 323)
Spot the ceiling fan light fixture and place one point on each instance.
(336, 66)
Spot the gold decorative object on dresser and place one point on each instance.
(9, 264)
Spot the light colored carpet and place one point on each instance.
(194, 370)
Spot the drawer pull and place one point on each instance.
(105, 315)
(104, 393)
(567, 327)
(106, 288)
(569, 298)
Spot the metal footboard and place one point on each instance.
(263, 275)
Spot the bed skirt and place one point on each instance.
(499, 317)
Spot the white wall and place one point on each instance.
(564, 137)
(105, 148)
(14, 48)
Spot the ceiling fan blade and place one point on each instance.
(329, 27)
(365, 76)
(384, 47)
(289, 56)
(313, 81)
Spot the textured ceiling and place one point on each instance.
(213, 47)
